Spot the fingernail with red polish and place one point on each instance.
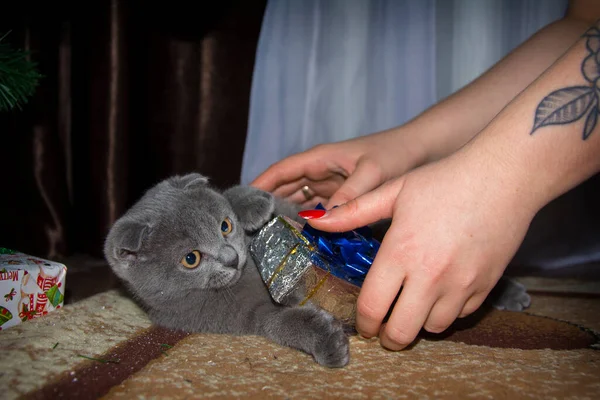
(312, 214)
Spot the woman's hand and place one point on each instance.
(456, 224)
(338, 172)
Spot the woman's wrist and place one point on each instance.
(508, 174)
(400, 150)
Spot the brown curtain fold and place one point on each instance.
(131, 94)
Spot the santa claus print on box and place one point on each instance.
(30, 287)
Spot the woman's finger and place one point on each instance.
(288, 170)
(324, 188)
(409, 314)
(472, 304)
(443, 314)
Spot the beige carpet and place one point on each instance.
(545, 353)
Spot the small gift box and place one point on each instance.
(299, 264)
(29, 287)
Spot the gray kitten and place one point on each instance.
(182, 250)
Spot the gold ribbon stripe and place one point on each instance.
(316, 288)
(293, 250)
(282, 264)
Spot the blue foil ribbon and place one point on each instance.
(349, 254)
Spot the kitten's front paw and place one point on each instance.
(332, 347)
(509, 295)
(315, 332)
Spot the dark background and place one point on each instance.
(131, 94)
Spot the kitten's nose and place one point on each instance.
(228, 257)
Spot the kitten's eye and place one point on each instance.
(226, 227)
(191, 260)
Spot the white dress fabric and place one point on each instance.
(329, 70)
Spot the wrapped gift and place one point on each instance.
(30, 287)
(300, 264)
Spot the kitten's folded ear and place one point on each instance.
(188, 181)
(252, 206)
(124, 241)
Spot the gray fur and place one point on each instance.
(225, 293)
(510, 295)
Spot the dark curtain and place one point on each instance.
(132, 93)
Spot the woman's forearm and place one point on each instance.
(547, 140)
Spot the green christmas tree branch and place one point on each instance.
(18, 76)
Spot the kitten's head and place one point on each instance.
(183, 235)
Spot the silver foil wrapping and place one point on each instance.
(282, 256)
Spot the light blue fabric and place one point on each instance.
(472, 35)
(316, 81)
(329, 70)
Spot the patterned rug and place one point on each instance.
(105, 347)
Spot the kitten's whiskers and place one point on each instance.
(228, 295)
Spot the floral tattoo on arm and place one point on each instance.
(570, 104)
